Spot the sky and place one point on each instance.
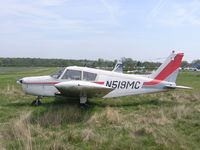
(146, 30)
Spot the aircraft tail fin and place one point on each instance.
(118, 67)
(168, 71)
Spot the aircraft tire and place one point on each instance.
(84, 106)
(36, 103)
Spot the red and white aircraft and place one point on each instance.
(86, 82)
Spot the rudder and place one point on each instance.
(168, 71)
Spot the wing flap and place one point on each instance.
(75, 88)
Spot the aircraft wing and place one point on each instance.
(76, 88)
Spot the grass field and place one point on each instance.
(169, 120)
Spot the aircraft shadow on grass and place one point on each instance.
(74, 102)
(67, 110)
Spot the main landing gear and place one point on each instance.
(83, 100)
(37, 102)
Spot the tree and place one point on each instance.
(197, 61)
(184, 64)
(0, 62)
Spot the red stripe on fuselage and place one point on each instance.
(53, 83)
(102, 83)
(169, 69)
(152, 82)
(41, 83)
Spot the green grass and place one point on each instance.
(169, 120)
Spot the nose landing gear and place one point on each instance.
(37, 102)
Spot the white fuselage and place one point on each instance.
(122, 84)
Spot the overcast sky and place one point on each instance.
(91, 29)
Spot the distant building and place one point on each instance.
(196, 65)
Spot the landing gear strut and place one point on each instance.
(37, 102)
(83, 100)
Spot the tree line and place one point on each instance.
(128, 63)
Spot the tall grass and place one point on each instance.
(168, 120)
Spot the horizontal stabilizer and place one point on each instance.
(177, 87)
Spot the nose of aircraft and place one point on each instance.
(20, 81)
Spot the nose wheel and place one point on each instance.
(37, 102)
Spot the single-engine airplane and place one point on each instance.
(84, 82)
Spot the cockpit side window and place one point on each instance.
(72, 75)
(58, 73)
(88, 76)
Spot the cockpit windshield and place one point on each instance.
(57, 74)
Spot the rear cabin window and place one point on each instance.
(72, 75)
(88, 76)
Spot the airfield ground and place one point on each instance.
(169, 120)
